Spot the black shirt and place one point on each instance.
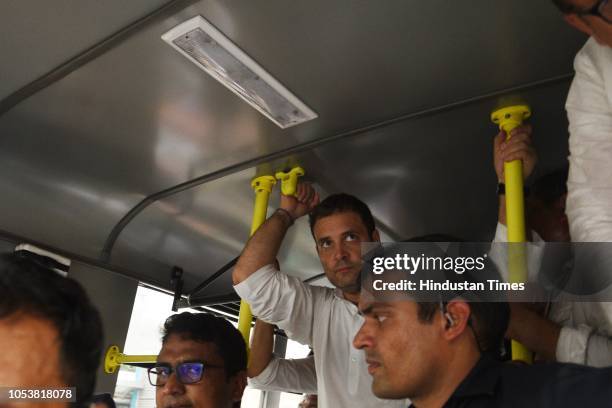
(492, 383)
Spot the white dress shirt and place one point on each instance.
(589, 110)
(319, 317)
(586, 327)
(288, 375)
(589, 199)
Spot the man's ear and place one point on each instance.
(455, 322)
(375, 235)
(238, 383)
(578, 23)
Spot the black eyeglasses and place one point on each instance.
(189, 372)
(602, 9)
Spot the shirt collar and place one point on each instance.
(481, 380)
(338, 293)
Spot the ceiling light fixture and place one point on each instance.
(211, 51)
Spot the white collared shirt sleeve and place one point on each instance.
(289, 375)
(499, 253)
(589, 109)
(587, 340)
(282, 300)
(578, 342)
(589, 199)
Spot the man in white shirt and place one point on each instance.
(271, 373)
(323, 318)
(589, 108)
(589, 199)
(573, 331)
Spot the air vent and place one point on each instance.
(210, 50)
(43, 257)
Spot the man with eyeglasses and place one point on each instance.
(202, 363)
(593, 18)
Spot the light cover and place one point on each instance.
(210, 50)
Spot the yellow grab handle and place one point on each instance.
(289, 180)
(508, 119)
(114, 358)
(262, 187)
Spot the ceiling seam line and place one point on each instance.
(134, 211)
(89, 54)
(18, 239)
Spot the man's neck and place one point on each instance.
(351, 297)
(458, 368)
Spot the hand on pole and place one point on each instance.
(304, 200)
(518, 147)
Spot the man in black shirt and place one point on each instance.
(445, 353)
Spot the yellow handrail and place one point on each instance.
(508, 119)
(262, 187)
(114, 358)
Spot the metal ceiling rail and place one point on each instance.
(231, 297)
(130, 215)
(90, 54)
(211, 279)
(17, 239)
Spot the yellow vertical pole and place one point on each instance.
(508, 119)
(262, 187)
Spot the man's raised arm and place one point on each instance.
(519, 147)
(263, 246)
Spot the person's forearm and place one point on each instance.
(535, 332)
(262, 343)
(262, 247)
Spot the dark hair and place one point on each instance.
(104, 399)
(339, 203)
(550, 187)
(28, 287)
(564, 6)
(204, 327)
(489, 319)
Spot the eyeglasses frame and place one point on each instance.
(595, 11)
(173, 369)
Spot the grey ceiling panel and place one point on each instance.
(139, 119)
(358, 62)
(49, 195)
(420, 176)
(201, 230)
(435, 174)
(38, 36)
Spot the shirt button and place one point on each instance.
(353, 359)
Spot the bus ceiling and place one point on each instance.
(118, 151)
